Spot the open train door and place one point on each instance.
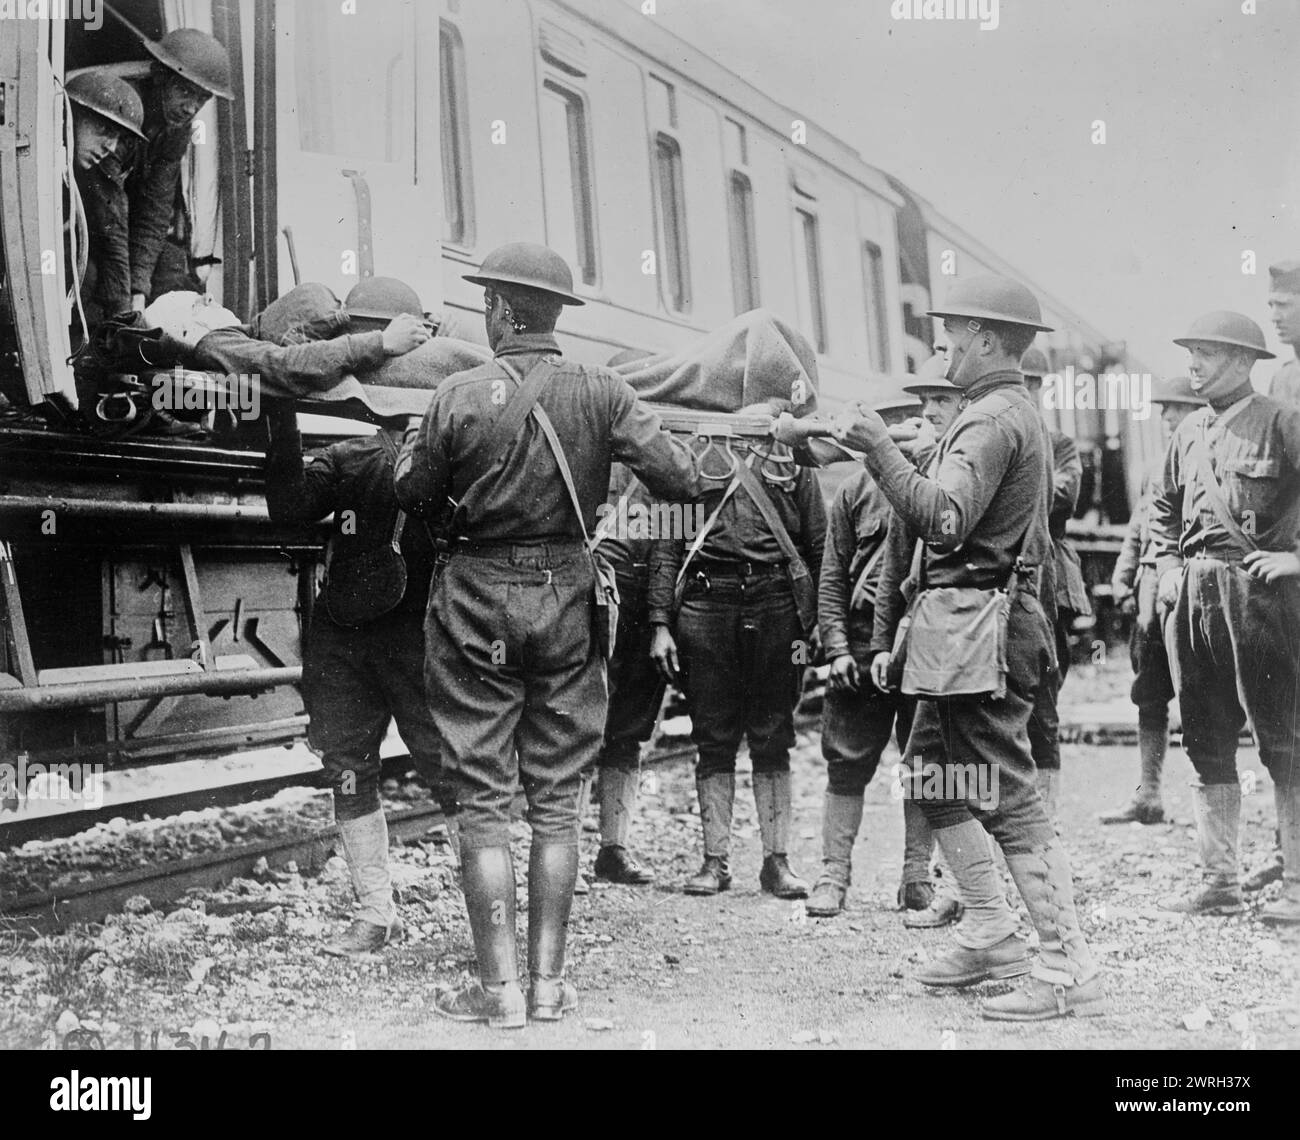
(357, 164)
(32, 159)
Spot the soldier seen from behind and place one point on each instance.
(518, 624)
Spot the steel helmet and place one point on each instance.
(382, 299)
(109, 96)
(1175, 390)
(992, 298)
(1224, 327)
(894, 397)
(1034, 362)
(932, 386)
(195, 56)
(526, 263)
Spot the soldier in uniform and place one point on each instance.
(636, 690)
(189, 68)
(362, 667)
(1071, 595)
(858, 718)
(107, 116)
(1133, 586)
(1284, 308)
(1225, 526)
(983, 518)
(744, 644)
(514, 666)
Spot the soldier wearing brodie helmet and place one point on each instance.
(515, 667)
(983, 519)
(190, 67)
(107, 116)
(1225, 525)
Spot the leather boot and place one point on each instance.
(1218, 817)
(986, 943)
(1270, 871)
(552, 869)
(841, 818)
(1145, 806)
(1065, 979)
(580, 884)
(1049, 790)
(717, 796)
(365, 847)
(614, 863)
(1286, 910)
(488, 881)
(772, 798)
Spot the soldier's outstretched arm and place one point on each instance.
(637, 438)
(812, 521)
(108, 220)
(422, 475)
(152, 189)
(296, 491)
(833, 585)
(945, 509)
(290, 370)
(1165, 507)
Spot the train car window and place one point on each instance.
(873, 284)
(374, 119)
(737, 143)
(567, 178)
(808, 276)
(663, 103)
(744, 249)
(671, 197)
(457, 187)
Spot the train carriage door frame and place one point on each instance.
(809, 261)
(32, 161)
(358, 165)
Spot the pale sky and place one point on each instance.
(1202, 160)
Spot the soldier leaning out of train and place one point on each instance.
(363, 664)
(1133, 585)
(1069, 596)
(518, 625)
(858, 717)
(742, 599)
(983, 519)
(1284, 309)
(1225, 526)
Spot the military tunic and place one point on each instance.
(989, 498)
(738, 630)
(1234, 641)
(517, 684)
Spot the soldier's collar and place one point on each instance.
(986, 384)
(516, 344)
(1232, 398)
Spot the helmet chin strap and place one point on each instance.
(953, 375)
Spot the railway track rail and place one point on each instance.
(46, 912)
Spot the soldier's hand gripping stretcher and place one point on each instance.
(847, 435)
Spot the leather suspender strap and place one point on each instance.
(795, 565)
(386, 442)
(709, 523)
(1214, 493)
(606, 526)
(860, 586)
(548, 429)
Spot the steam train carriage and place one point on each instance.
(141, 577)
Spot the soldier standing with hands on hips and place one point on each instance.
(515, 664)
(983, 518)
(1225, 525)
